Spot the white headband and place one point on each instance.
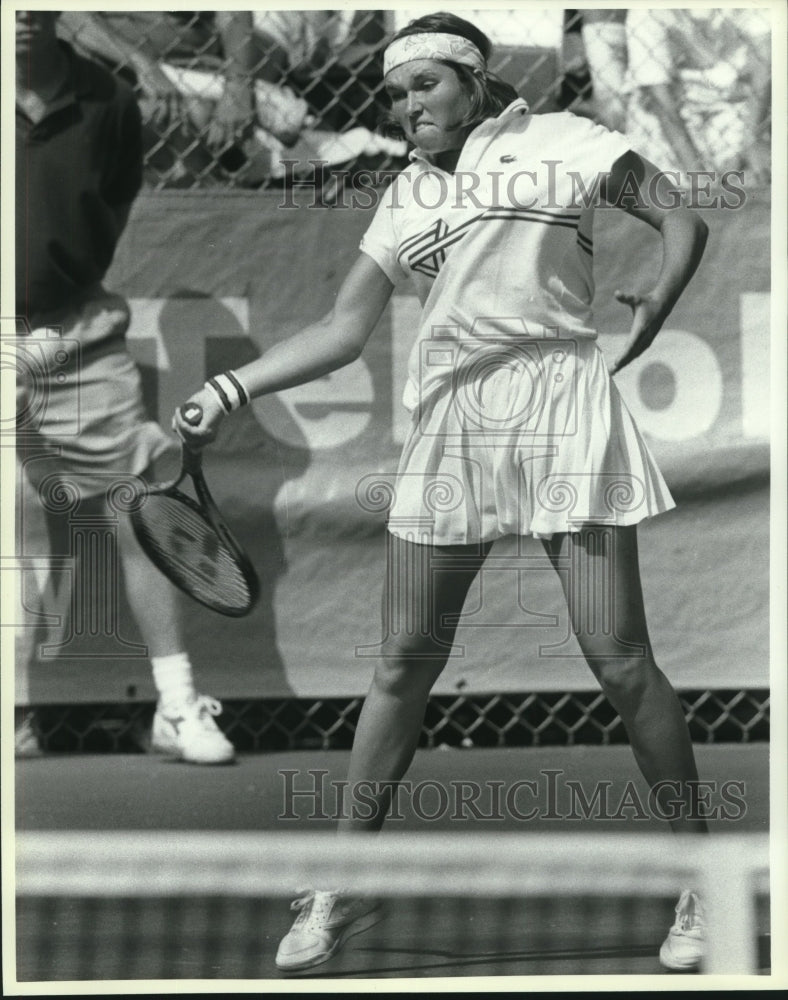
(433, 45)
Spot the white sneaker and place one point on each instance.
(683, 948)
(187, 731)
(26, 742)
(324, 922)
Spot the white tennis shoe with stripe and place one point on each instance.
(683, 948)
(324, 923)
(187, 731)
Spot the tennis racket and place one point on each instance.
(189, 542)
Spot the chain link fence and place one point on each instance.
(528, 719)
(250, 99)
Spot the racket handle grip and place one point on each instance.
(191, 458)
(191, 413)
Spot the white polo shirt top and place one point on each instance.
(501, 250)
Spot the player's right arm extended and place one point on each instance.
(330, 343)
(335, 340)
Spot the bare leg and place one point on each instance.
(151, 596)
(423, 596)
(599, 572)
(43, 593)
(27, 508)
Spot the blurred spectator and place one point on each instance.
(184, 132)
(196, 78)
(605, 44)
(148, 44)
(330, 57)
(575, 85)
(594, 63)
(329, 61)
(532, 28)
(219, 89)
(700, 83)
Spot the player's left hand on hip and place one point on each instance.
(647, 319)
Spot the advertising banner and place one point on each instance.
(214, 279)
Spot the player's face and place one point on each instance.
(429, 103)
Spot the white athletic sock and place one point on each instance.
(172, 676)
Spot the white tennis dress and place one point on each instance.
(516, 426)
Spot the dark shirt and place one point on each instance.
(74, 170)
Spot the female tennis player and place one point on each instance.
(517, 426)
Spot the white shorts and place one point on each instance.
(85, 421)
(533, 441)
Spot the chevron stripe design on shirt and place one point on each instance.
(426, 251)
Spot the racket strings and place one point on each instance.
(188, 550)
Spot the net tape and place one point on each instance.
(115, 865)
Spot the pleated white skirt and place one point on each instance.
(531, 438)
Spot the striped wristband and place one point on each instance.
(228, 390)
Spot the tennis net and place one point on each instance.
(116, 907)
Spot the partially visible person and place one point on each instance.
(325, 57)
(700, 82)
(150, 46)
(605, 44)
(594, 63)
(575, 82)
(224, 97)
(78, 170)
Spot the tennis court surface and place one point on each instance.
(150, 870)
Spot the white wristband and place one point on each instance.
(228, 390)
